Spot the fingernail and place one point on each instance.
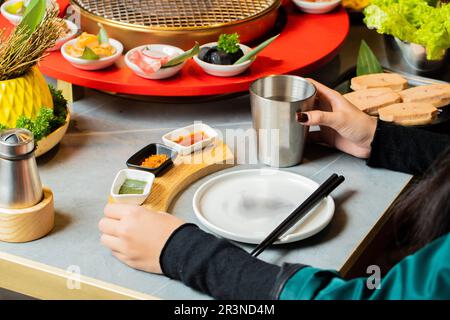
(302, 117)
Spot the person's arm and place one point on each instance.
(405, 149)
(385, 145)
(423, 275)
(158, 242)
(161, 243)
(219, 268)
(225, 271)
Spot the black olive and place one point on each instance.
(202, 55)
(221, 57)
(236, 56)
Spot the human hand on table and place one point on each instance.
(342, 125)
(137, 235)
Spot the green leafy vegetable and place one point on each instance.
(102, 35)
(182, 57)
(88, 54)
(416, 21)
(59, 109)
(257, 50)
(228, 43)
(33, 15)
(367, 61)
(2, 127)
(40, 127)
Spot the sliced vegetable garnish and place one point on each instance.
(183, 57)
(88, 54)
(102, 35)
(257, 50)
(33, 15)
(367, 61)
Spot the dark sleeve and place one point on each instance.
(219, 268)
(405, 149)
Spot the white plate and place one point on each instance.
(247, 205)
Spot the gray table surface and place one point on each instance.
(106, 130)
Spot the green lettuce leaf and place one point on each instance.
(416, 21)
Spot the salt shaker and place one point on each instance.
(20, 184)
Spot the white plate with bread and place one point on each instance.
(398, 98)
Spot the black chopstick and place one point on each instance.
(323, 191)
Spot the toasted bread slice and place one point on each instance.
(370, 100)
(379, 80)
(409, 113)
(436, 94)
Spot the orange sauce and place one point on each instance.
(191, 139)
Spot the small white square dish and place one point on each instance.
(132, 176)
(200, 134)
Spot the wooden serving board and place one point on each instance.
(187, 170)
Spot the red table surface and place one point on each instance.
(306, 42)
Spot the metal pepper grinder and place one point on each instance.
(20, 185)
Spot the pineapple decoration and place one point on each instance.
(23, 89)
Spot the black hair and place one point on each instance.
(422, 213)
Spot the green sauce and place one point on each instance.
(131, 186)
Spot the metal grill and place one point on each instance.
(176, 13)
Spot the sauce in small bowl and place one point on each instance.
(132, 186)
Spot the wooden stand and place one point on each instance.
(23, 225)
(187, 170)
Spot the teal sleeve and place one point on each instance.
(423, 275)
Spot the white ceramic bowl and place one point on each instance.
(219, 70)
(182, 150)
(73, 32)
(162, 73)
(124, 174)
(317, 7)
(12, 18)
(93, 64)
(16, 18)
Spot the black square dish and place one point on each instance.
(153, 148)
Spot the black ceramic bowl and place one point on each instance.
(153, 148)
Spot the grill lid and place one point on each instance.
(176, 13)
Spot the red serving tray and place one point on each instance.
(307, 42)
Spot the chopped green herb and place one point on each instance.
(228, 43)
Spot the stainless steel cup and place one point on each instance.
(275, 100)
(20, 185)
